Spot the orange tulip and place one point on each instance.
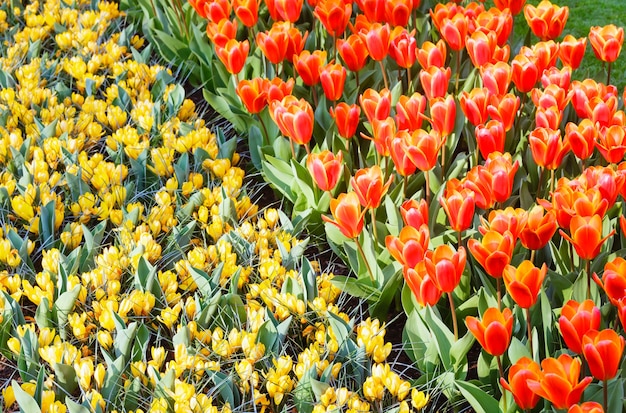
(547, 20)
(621, 311)
(410, 246)
(346, 118)
(559, 381)
(547, 147)
(586, 407)
(454, 30)
(247, 11)
(347, 215)
(551, 96)
(422, 285)
(353, 52)
(613, 279)
(252, 94)
(220, 33)
(607, 181)
(576, 320)
(603, 351)
(524, 282)
(581, 138)
(200, 6)
(376, 105)
(294, 118)
(572, 51)
(458, 203)
(481, 47)
(325, 168)
(494, 331)
(274, 42)
(410, 112)
(397, 150)
(612, 143)
(514, 5)
(504, 109)
(500, 171)
(509, 219)
(493, 252)
(374, 10)
(277, 89)
(216, 10)
(587, 91)
(539, 228)
(490, 138)
(606, 42)
(586, 235)
(398, 13)
(368, 184)
(496, 77)
(333, 78)
(403, 47)
(444, 11)
(431, 54)
(479, 181)
(474, 105)
(435, 81)
(525, 73)
(384, 132)
(414, 213)
(548, 118)
(334, 15)
(523, 370)
(376, 39)
(288, 10)
(233, 55)
(560, 77)
(308, 66)
(422, 148)
(445, 266)
(545, 54)
(496, 21)
(443, 115)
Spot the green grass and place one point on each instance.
(582, 15)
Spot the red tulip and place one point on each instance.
(274, 43)
(432, 54)
(347, 213)
(474, 105)
(493, 252)
(220, 33)
(443, 115)
(559, 381)
(481, 47)
(572, 51)
(233, 55)
(612, 143)
(445, 266)
(333, 78)
(325, 168)
(547, 147)
(410, 246)
(384, 132)
(247, 11)
(547, 20)
(288, 10)
(520, 373)
(308, 66)
(576, 320)
(398, 13)
(524, 282)
(414, 213)
(586, 235)
(376, 39)
(368, 184)
(421, 284)
(435, 81)
(509, 219)
(422, 148)
(490, 138)
(374, 10)
(603, 351)
(607, 181)
(277, 89)
(504, 109)
(613, 280)
(548, 118)
(346, 118)
(539, 228)
(252, 94)
(353, 52)
(551, 96)
(525, 73)
(545, 54)
(294, 118)
(217, 10)
(479, 181)
(496, 21)
(581, 138)
(494, 331)
(606, 42)
(560, 77)
(496, 77)
(621, 311)
(500, 171)
(410, 112)
(376, 105)
(334, 15)
(397, 150)
(454, 30)
(514, 5)
(403, 47)
(458, 204)
(200, 6)
(586, 407)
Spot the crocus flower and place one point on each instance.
(524, 282)
(559, 381)
(603, 351)
(606, 42)
(493, 331)
(576, 320)
(523, 370)
(346, 211)
(325, 168)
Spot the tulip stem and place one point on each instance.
(530, 333)
(427, 176)
(588, 279)
(605, 387)
(608, 83)
(501, 370)
(458, 71)
(405, 184)
(498, 286)
(367, 265)
(267, 136)
(373, 214)
(532, 256)
(453, 312)
(409, 80)
(552, 181)
(459, 238)
(382, 68)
